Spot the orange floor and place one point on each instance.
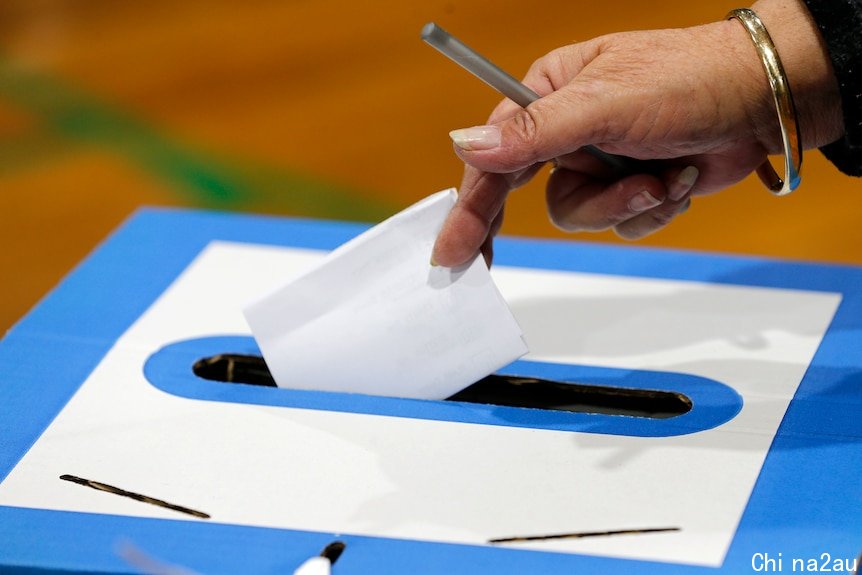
(328, 109)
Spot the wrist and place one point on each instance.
(742, 71)
(809, 73)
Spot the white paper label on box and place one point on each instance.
(433, 480)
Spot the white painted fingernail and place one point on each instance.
(683, 183)
(642, 202)
(476, 138)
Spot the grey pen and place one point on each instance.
(492, 75)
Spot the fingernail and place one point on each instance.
(683, 183)
(642, 202)
(476, 138)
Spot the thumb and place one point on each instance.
(553, 126)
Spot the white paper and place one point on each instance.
(376, 317)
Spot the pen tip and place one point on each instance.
(430, 30)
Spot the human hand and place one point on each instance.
(694, 99)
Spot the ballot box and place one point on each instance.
(677, 413)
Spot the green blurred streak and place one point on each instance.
(212, 180)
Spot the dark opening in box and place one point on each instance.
(495, 389)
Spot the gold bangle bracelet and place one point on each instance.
(787, 120)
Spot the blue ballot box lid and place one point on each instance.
(806, 502)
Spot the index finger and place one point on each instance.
(470, 225)
(474, 217)
(480, 200)
(469, 222)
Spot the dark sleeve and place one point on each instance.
(840, 23)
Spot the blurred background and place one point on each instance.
(327, 109)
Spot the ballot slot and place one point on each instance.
(495, 389)
(525, 393)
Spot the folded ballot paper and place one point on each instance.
(376, 317)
